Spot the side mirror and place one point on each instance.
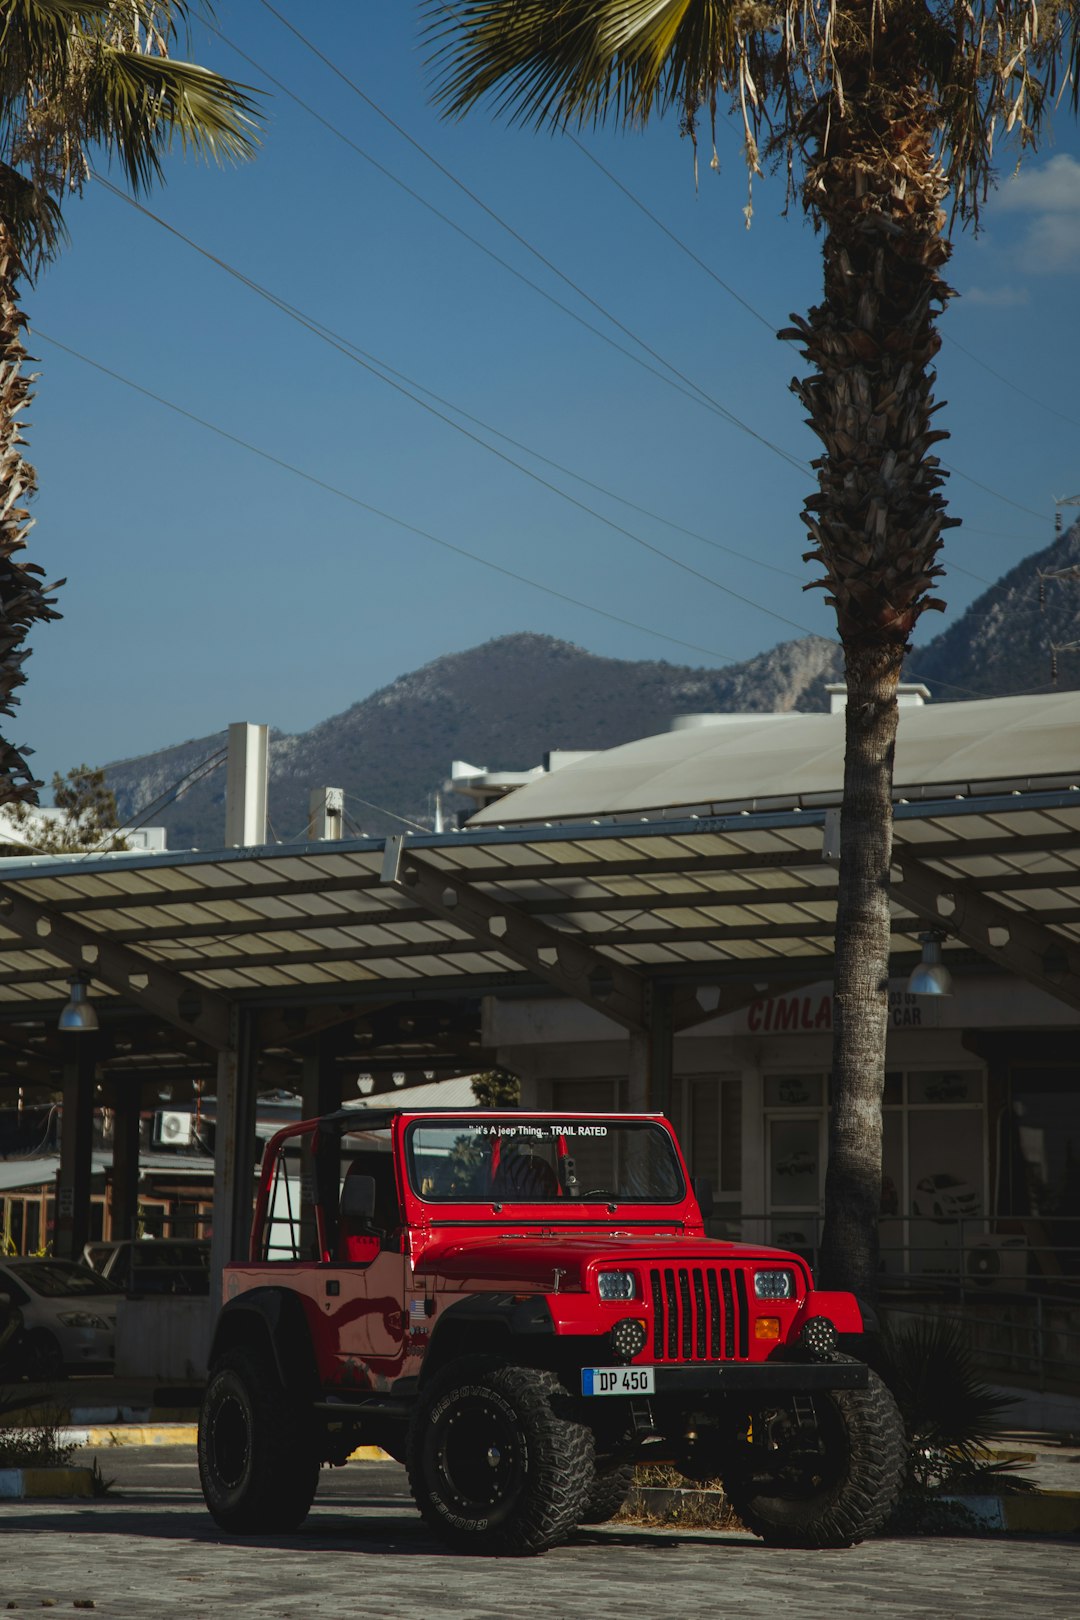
(358, 1198)
(703, 1193)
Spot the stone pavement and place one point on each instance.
(156, 1555)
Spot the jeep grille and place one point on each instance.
(700, 1313)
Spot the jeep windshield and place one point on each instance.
(542, 1161)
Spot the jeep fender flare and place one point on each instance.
(274, 1320)
(481, 1322)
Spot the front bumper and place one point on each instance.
(761, 1380)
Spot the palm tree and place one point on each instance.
(77, 75)
(879, 112)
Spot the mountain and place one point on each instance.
(1003, 644)
(503, 704)
(506, 703)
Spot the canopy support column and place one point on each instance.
(124, 1189)
(234, 1150)
(651, 1055)
(72, 1231)
(320, 1095)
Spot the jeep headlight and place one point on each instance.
(616, 1285)
(774, 1284)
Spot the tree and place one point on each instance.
(879, 111)
(77, 75)
(87, 820)
(496, 1088)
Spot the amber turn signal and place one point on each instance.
(767, 1327)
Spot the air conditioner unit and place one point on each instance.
(173, 1128)
(997, 1264)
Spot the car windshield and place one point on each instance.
(59, 1279)
(540, 1161)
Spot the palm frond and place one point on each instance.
(35, 36)
(944, 1402)
(32, 216)
(577, 60)
(137, 106)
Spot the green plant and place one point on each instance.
(37, 1446)
(950, 1414)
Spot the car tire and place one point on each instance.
(496, 1462)
(41, 1357)
(831, 1485)
(610, 1489)
(257, 1462)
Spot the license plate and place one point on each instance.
(618, 1380)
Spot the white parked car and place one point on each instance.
(68, 1314)
(944, 1198)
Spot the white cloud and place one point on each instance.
(1050, 188)
(996, 297)
(1047, 196)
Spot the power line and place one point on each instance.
(384, 373)
(516, 235)
(366, 506)
(996, 493)
(693, 392)
(1008, 381)
(204, 768)
(670, 234)
(705, 396)
(566, 310)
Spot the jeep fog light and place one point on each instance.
(627, 1339)
(616, 1285)
(774, 1284)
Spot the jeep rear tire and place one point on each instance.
(495, 1463)
(610, 1489)
(831, 1483)
(256, 1461)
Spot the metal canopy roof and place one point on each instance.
(595, 910)
(773, 762)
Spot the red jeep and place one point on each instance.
(520, 1307)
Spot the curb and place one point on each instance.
(29, 1417)
(130, 1434)
(1045, 1513)
(1040, 1513)
(19, 1484)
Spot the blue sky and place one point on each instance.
(207, 584)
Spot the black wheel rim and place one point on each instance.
(479, 1457)
(230, 1441)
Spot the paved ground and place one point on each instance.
(148, 1551)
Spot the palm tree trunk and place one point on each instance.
(24, 600)
(876, 519)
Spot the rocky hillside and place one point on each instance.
(506, 703)
(503, 704)
(1004, 642)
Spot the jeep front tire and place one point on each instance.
(495, 1463)
(829, 1482)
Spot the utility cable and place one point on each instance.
(548, 264)
(379, 810)
(1015, 386)
(492, 214)
(693, 392)
(196, 774)
(378, 368)
(375, 511)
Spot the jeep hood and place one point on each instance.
(530, 1259)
